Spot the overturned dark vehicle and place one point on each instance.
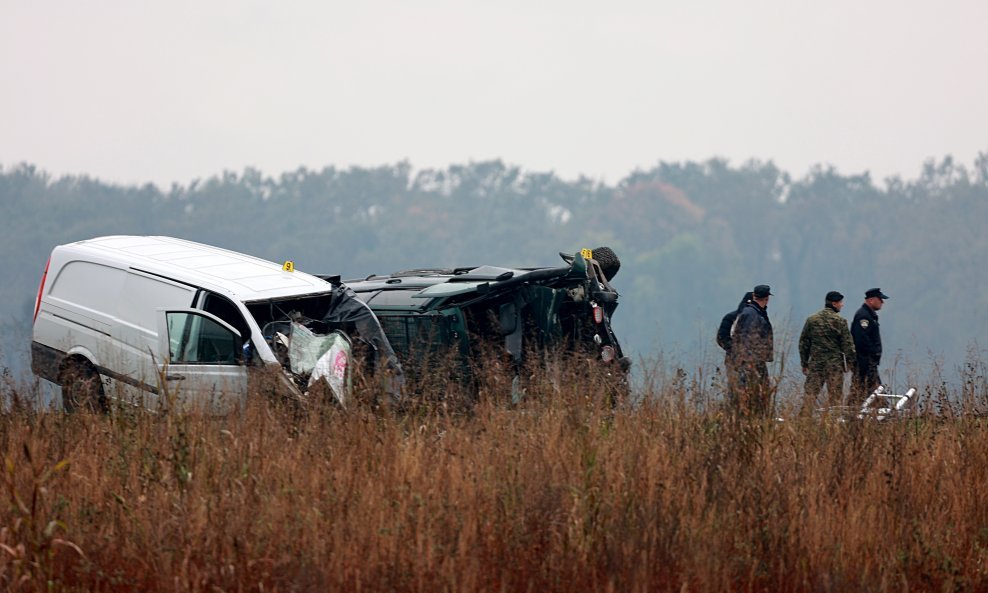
(465, 313)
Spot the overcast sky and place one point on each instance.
(172, 91)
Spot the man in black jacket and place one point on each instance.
(867, 344)
(724, 341)
(752, 348)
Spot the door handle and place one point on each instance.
(174, 377)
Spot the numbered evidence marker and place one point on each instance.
(289, 266)
(586, 253)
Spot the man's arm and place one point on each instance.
(724, 331)
(804, 346)
(863, 342)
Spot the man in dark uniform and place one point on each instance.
(867, 344)
(752, 348)
(724, 341)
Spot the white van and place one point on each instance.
(159, 321)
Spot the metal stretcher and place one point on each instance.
(880, 405)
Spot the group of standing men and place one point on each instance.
(827, 350)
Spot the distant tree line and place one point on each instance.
(692, 237)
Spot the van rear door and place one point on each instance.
(201, 363)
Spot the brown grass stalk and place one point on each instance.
(560, 493)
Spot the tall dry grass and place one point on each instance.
(561, 493)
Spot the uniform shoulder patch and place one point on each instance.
(864, 323)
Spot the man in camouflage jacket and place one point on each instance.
(825, 350)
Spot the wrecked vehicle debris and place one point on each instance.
(432, 312)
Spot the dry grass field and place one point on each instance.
(562, 493)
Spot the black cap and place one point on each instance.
(834, 297)
(761, 291)
(875, 292)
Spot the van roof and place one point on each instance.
(246, 277)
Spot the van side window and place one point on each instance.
(193, 338)
(227, 311)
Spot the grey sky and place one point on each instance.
(171, 91)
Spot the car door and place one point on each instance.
(201, 362)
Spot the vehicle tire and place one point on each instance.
(82, 389)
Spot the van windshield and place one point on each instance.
(307, 307)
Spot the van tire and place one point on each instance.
(82, 389)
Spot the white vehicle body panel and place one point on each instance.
(104, 299)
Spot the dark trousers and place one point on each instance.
(865, 380)
(754, 393)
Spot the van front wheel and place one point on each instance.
(82, 389)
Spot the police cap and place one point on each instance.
(875, 292)
(761, 291)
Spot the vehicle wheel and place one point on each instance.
(82, 389)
